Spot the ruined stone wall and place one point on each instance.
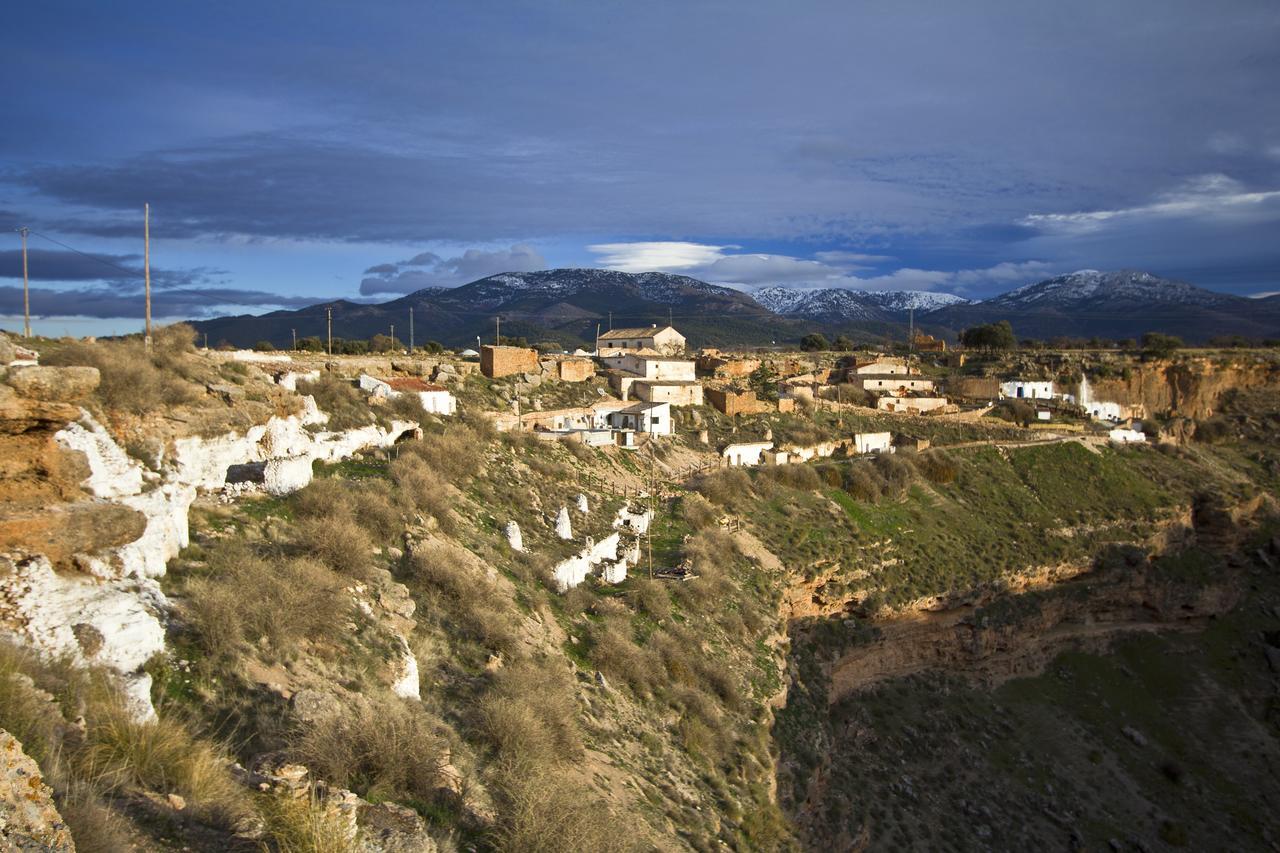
(504, 361)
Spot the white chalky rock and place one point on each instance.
(111, 472)
(615, 572)
(514, 539)
(285, 476)
(637, 521)
(44, 610)
(583, 506)
(406, 684)
(311, 413)
(574, 570)
(563, 528)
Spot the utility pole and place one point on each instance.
(669, 317)
(410, 328)
(294, 332)
(206, 341)
(611, 321)
(146, 264)
(329, 315)
(911, 334)
(597, 339)
(26, 295)
(497, 331)
(653, 514)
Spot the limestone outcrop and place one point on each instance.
(29, 820)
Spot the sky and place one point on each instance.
(294, 152)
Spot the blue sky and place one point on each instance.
(294, 152)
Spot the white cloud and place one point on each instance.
(656, 256)
(1211, 196)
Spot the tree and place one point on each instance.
(433, 347)
(989, 336)
(1159, 345)
(843, 344)
(814, 342)
(264, 346)
(764, 382)
(311, 344)
(384, 343)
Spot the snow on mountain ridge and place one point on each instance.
(850, 304)
(1084, 285)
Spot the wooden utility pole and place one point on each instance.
(329, 315)
(410, 328)
(911, 333)
(26, 295)
(294, 332)
(393, 336)
(497, 331)
(669, 316)
(653, 513)
(146, 264)
(206, 341)
(611, 321)
(597, 339)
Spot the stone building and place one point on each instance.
(496, 361)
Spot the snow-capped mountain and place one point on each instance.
(567, 305)
(1092, 286)
(845, 304)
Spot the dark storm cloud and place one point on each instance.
(106, 303)
(930, 133)
(59, 265)
(430, 270)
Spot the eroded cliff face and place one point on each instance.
(85, 529)
(1189, 388)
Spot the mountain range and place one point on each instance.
(568, 305)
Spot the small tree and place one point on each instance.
(764, 382)
(814, 342)
(264, 346)
(1159, 345)
(311, 344)
(844, 344)
(990, 336)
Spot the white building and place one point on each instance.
(895, 384)
(677, 392)
(435, 399)
(746, 453)
(653, 418)
(657, 367)
(873, 442)
(665, 340)
(1127, 436)
(1021, 389)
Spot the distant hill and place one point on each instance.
(562, 305)
(1123, 304)
(566, 305)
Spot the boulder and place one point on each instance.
(563, 527)
(393, 828)
(55, 384)
(28, 818)
(312, 706)
(514, 538)
(8, 352)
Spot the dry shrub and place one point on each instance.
(801, 477)
(863, 482)
(291, 599)
(578, 450)
(163, 755)
(95, 828)
(897, 474)
(305, 825)
(337, 541)
(170, 343)
(937, 466)
(385, 748)
(650, 597)
(340, 400)
(424, 488)
(464, 596)
(698, 511)
(614, 653)
(544, 810)
(376, 511)
(456, 454)
(130, 380)
(724, 486)
(319, 497)
(529, 715)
